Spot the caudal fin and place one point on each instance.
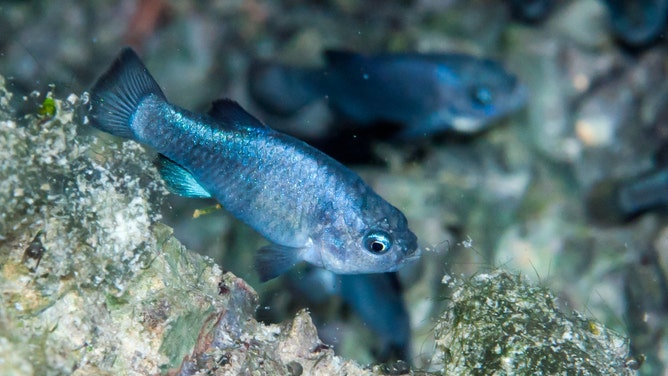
(118, 92)
(280, 89)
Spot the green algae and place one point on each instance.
(48, 108)
(180, 338)
(499, 324)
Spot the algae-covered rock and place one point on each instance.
(92, 284)
(499, 324)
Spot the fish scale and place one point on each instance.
(309, 206)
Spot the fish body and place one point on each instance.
(638, 23)
(375, 298)
(530, 11)
(643, 193)
(425, 93)
(614, 201)
(378, 301)
(309, 206)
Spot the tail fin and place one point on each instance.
(280, 89)
(118, 92)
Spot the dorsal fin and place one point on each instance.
(230, 113)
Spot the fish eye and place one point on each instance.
(482, 95)
(377, 242)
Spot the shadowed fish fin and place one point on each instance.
(321, 283)
(179, 180)
(118, 92)
(410, 133)
(340, 57)
(282, 90)
(229, 113)
(274, 260)
(420, 128)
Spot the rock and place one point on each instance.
(499, 324)
(93, 284)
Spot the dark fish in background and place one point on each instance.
(645, 290)
(530, 11)
(638, 23)
(308, 205)
(617, 201)
(424, 93)
(375, 298)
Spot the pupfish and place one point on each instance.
(638, 23)
(375, 298)
(615, 201)
(310, 207)
(530, 11)
(423, 93)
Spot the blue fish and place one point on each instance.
(378, 300)
(424, 93)
(309, 206)
(530, 11)
(375, 298)
(616, 201)
(638, 23)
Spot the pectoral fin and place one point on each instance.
(274, 260)
(179, 180)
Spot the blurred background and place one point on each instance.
(570, 190)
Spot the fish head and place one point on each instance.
(376, 241)
(481, 92)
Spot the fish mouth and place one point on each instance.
(467, 124)
(412, 256)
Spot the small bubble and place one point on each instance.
(85, 97)
(72, 99)
(468, 243)
(365, 76)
